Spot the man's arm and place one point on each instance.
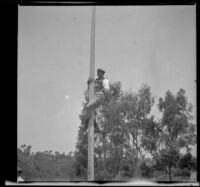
(89, 81)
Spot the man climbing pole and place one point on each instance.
(101, 89)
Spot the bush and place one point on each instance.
(185, 173)
(194, 163)
(100, 175)
(126, 170)
(186, 161)
(146, 171)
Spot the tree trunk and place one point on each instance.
(170, 176)
(136, 172)
(104, 157)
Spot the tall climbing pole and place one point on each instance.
(90, 169)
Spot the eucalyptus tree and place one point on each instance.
(177, 131)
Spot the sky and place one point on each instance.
(155, 45)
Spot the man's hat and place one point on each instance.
(102, 70)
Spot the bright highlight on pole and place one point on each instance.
(90, 169)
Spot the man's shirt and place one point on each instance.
(101, 85)
(106, 84)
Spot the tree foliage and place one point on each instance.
(176, 130)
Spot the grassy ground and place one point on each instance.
(165, 177)
(160, 177)
(50, 179)
(54, 179)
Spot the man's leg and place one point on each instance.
(92, 103)
(96, 101)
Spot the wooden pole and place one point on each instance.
(90, 171)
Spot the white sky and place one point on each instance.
(155, 45)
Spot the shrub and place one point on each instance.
(185, 173)
(100, 175)
(186, 161)
(146, 171)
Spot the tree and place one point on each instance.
(176, 129)
(135, 108)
